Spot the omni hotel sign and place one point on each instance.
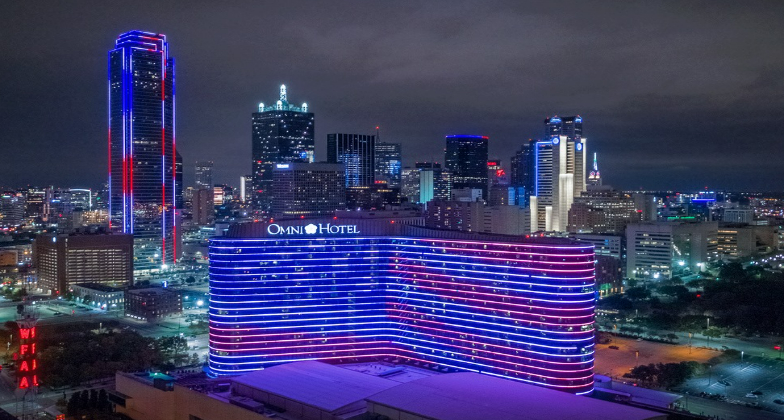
(311, 229)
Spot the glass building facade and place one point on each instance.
(143, 187)
(357, 154)
(282, 133)
(466, 159)
(389, 163)
(362, 290)
(204, 174)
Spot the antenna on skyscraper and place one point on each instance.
(378, 134)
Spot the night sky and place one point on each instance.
(674, 95)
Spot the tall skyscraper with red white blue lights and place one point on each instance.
(143, 186)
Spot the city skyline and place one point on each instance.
(660, 117)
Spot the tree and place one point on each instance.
(84, 400)
(93, 399)
(103, 400)
(73, 404)
(190, 280)
(732, 272)
(711, 333)
(673, 374)
(637, 293)
(173, 349)
(664, 375)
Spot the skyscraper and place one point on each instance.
(308, 189)
(282, 133)
(357, 154)
(388, 163)
(559, 173)
(204, 174)
(466, 159)
(142, 147)
(245, 182)
(571, 127)
(522, 173)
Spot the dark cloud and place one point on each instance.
(674, 95)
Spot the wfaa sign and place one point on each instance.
(312, 229)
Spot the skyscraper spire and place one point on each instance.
(283, 93)
(595, 177)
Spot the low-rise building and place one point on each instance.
(313, 390)
(152, 303)
(100, 296)
(744, 216)
(742, 240)
(609, 261)
(659, 250)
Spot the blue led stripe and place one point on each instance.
(470, 305)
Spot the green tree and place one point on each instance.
(103, 401)
(93, 399)
(637, 293)
(732, 272)
(712, 333)
(72, 409)
(84, 400)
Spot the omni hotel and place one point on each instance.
(357, 290)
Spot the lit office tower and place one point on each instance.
(204, 174)
(357, 154)
(282, 132)
(245, 182)
(388, 163)
(142, 148)
(522, 173)
(466, 159)
(559, 173)
(571, 127)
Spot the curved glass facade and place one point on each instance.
(519, 310)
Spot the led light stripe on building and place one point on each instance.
(449, 302)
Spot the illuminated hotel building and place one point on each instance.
(143, 186)
(352, 290)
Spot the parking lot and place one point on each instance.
(622, 354)
(756, 381)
